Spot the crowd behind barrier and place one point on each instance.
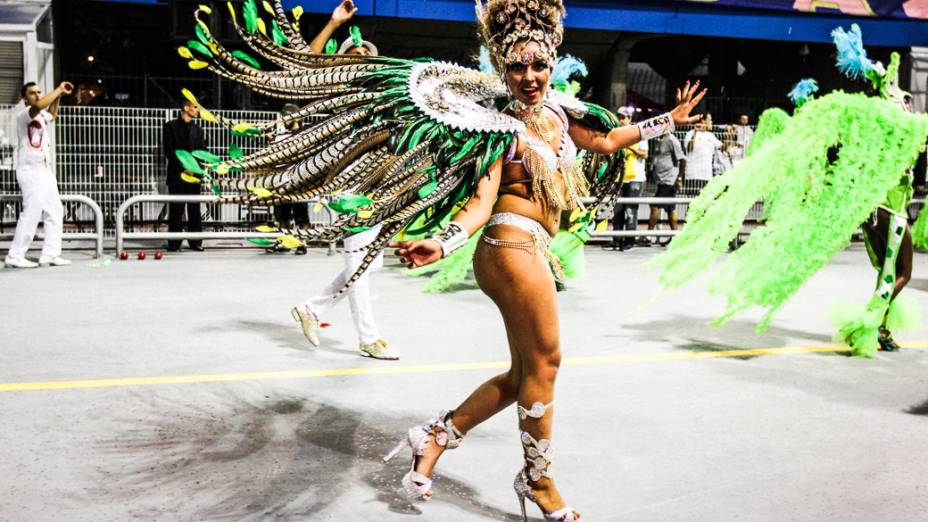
(111, 154)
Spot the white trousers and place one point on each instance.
(41, 202)
(359, 295)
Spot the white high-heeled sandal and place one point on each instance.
(417, 485)
(538, 457)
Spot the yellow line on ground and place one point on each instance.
(413, 369)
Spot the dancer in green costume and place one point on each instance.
(838, 161)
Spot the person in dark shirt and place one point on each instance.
(183, 134)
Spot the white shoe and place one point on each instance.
(379, 350)
(53, 261)
(19, 263)
(308, 322)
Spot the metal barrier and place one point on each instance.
(97, 234)
(122, 235)
(665, 201)
(643, 232)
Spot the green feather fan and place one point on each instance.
(814, 205)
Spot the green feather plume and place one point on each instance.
(813, 205)
(355, 33)
(245, 57)
(188, 161)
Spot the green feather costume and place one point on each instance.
(821, 173)
(407, 140)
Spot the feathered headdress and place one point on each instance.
(504, 23)
(854, 63)
(356, 40)
(803, 91)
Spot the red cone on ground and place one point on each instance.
(141, 255)
(124, 255)
(158, 255)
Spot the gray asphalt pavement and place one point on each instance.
(181, 389)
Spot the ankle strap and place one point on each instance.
(538, 410)
(538, 457)
(455, 437)
(446, 434)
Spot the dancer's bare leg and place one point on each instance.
(487, 400)
(523, 288)
(904, 263)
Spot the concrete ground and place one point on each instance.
(181, 389)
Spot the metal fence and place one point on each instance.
(113, 153)
(159, 91)
(730, 152)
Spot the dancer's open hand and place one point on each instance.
(414, 254)
(687, 100)
(344, 12)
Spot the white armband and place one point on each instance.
(655, 127)
(453, 237)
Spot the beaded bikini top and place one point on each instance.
(543, 163)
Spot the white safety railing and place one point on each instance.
(96, 235)
(122, 235)
(113, 153)
(642, 231)
(679, 202)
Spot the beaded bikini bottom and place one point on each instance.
(539, 242)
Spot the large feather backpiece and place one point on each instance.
(389, 141)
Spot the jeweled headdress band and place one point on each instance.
(504, 23)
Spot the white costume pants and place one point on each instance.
(359, 295)
(41, 202)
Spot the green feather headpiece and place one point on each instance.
(355, 33)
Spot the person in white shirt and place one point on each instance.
(309, 313)
(41, 201)
(744, 133)
(701, 146)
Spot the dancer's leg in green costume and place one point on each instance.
(890, 249)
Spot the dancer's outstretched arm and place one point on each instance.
(622, 137)
(342, 13)
(472, 217)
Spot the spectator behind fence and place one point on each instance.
(728, 155)
(183, 134)
(667, 164)
(41, 201)
(701, 146)
(284, 212)
(625, 217)
(743, 134)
